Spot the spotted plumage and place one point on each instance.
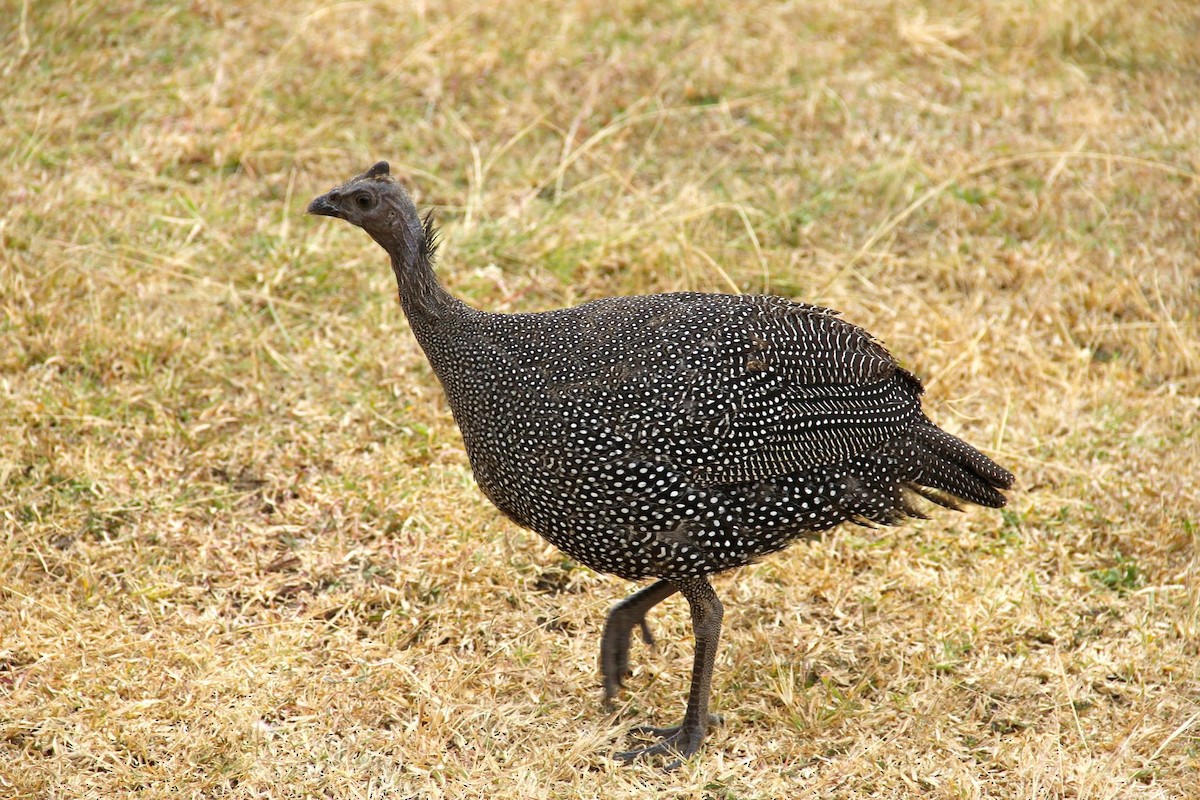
(671, 436)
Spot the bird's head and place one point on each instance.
(377, 203)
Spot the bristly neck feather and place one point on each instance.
(432, 238)
(412, 244)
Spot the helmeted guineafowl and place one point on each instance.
(670, 436)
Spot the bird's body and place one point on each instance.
(675, 435)
(678, 435)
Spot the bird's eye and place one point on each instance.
(363, 200)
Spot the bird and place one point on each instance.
(670, 437)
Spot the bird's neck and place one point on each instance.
(438, 320)
(424, 300)
(444, 327)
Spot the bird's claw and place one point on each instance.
(681, 741)
(614, 655)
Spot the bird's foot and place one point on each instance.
(614, 652)
(677, 740)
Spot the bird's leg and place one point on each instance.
(614, 642)
(684, 739)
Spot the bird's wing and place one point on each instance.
(761, 387)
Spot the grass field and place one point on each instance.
(241, 552)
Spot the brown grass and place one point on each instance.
(241, 551)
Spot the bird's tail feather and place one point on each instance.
(947, 464)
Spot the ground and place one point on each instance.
(241, 553)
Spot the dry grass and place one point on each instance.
(241, 551)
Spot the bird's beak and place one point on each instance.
(323, 206)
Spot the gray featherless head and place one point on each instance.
(377, 203)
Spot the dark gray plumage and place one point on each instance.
(671, 436)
